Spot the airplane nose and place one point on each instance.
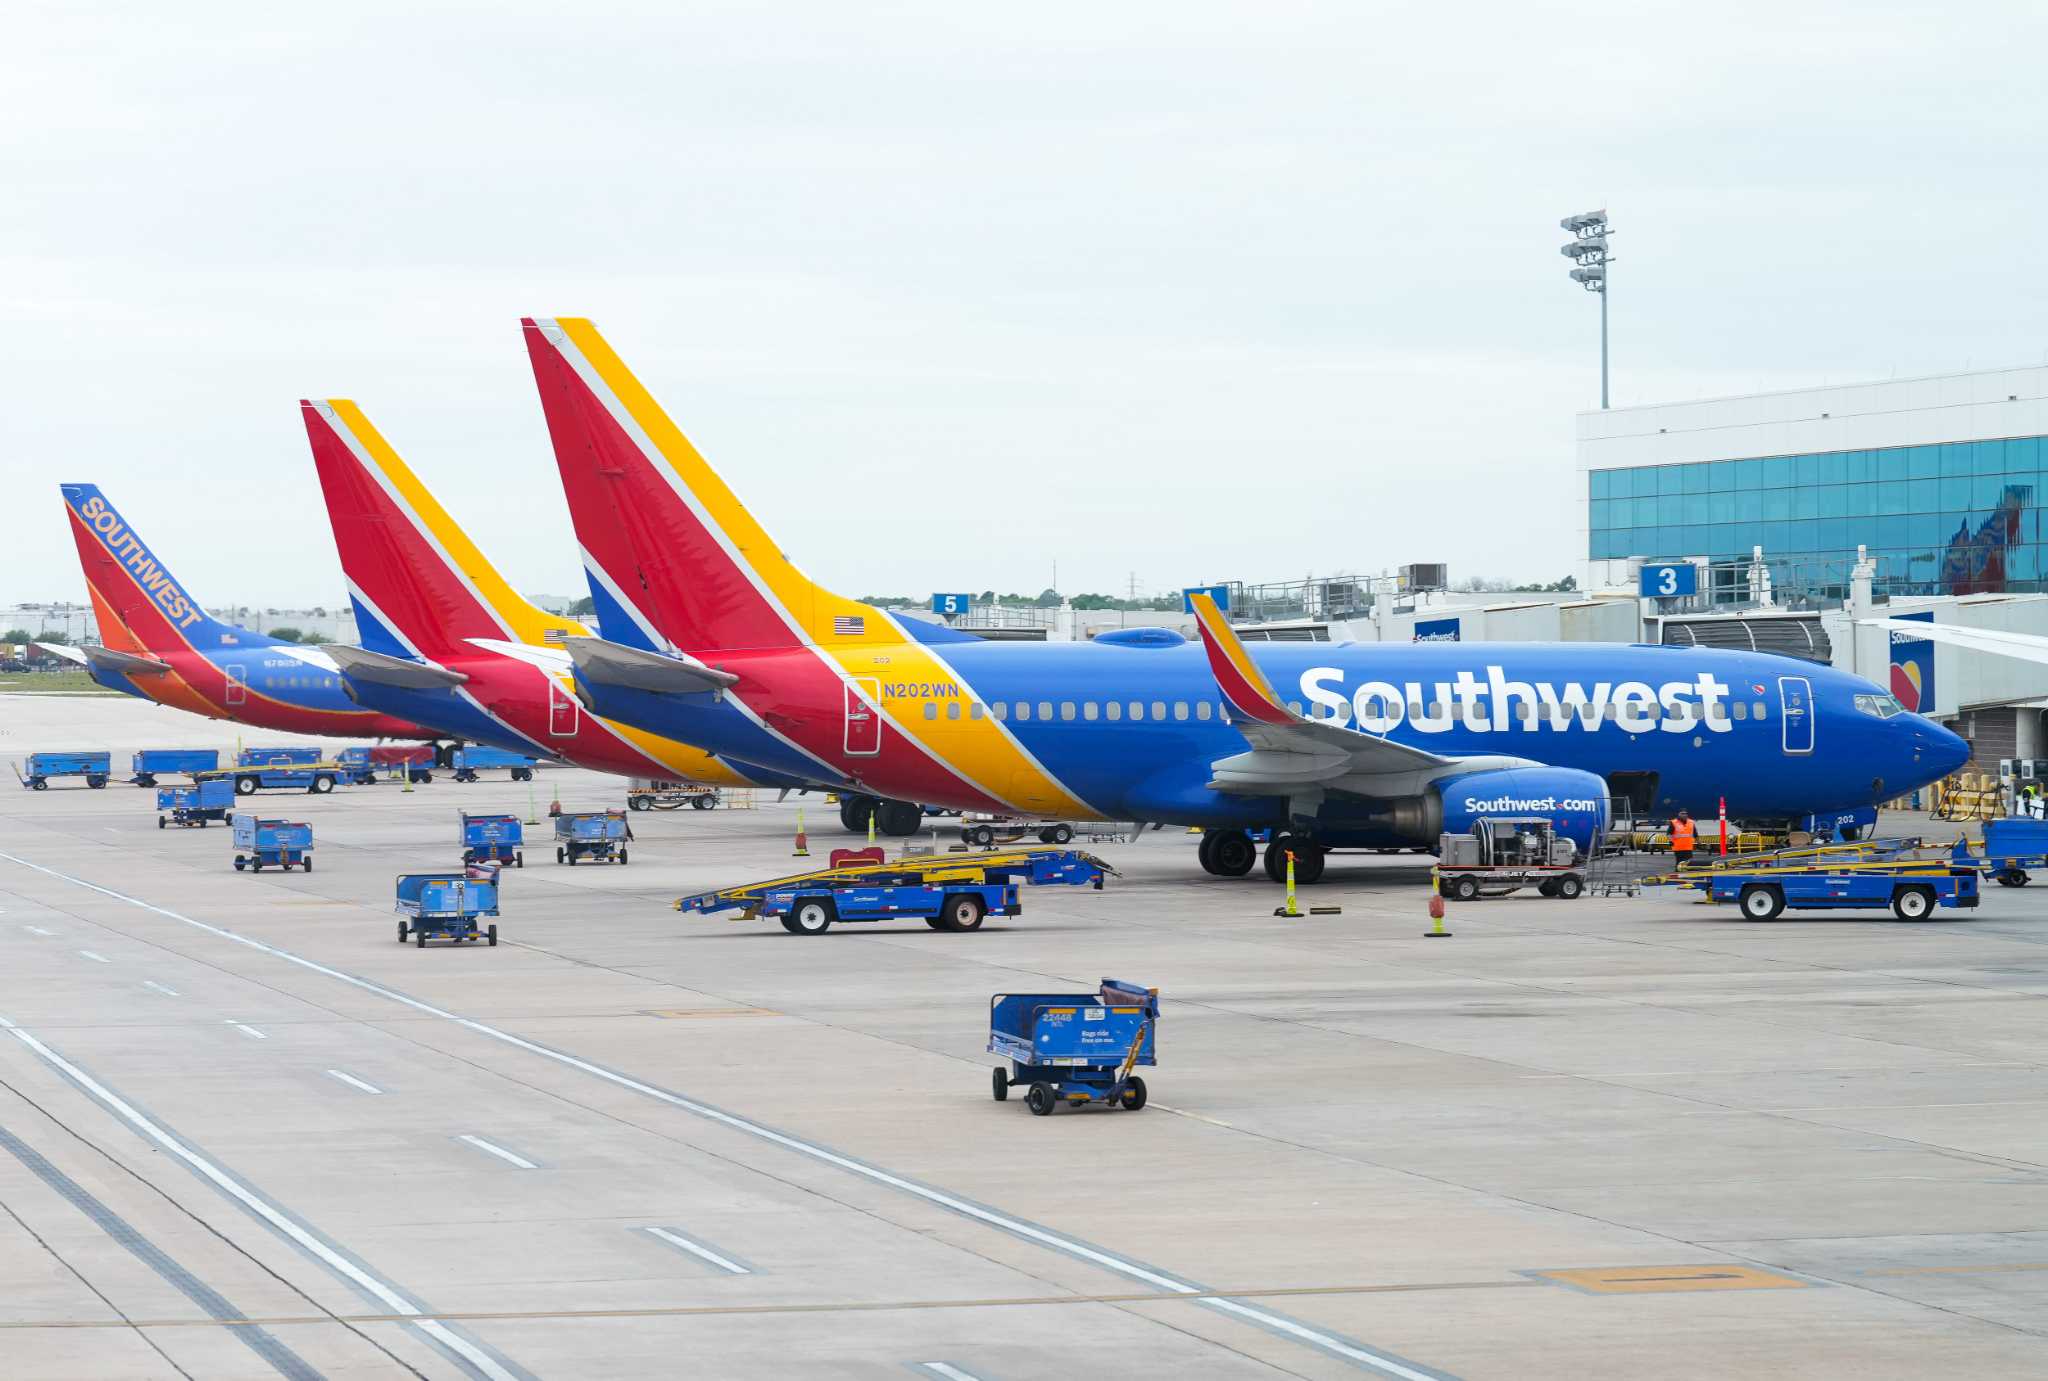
(1940, 750)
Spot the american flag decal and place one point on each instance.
(849, 625)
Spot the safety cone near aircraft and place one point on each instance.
(713, 636)
(446, 641)
(157, 643)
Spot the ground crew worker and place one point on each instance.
(1683, 837)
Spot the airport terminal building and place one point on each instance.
(1939, 478)
(1769, 497)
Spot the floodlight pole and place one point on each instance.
(1604, 285)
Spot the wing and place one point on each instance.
(1291, 752)
(2027, 647)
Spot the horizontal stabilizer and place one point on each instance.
(107, 659)
(615, 664)
(391, 671)
(64, 650)
(552, 660)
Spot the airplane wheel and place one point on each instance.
(1761, 903)
(854, 812)
(1276, 857)
(897, 819)
(1913, 903)
(1234, 854)
(1308, 864)
(1039, 1100)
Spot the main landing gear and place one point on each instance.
(1227, 853)
(893, 819)
(1231, 854)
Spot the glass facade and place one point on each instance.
(1954, 518)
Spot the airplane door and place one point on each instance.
(562, 710)
(1795, 709)
(238, 685)
(863, 720)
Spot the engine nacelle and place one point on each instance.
(1574, 802)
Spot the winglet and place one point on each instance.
(1246, 688)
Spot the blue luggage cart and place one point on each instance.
(195, 805)
(469, 760)
(281, 769)
(151, 763)
(493, 839)
(43, 767)
(592, 834)
(1074, 1048)
(447, 905)
(2012, 846)
(272, 843)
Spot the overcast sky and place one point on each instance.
(950, 292)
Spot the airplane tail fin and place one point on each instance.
(420, 587)
(141, 607)
(675, 560)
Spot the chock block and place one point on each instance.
(1326, 911)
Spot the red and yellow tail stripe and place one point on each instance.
(1242, 683)
(713, 580)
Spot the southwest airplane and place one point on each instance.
(445, 639)
(158, 644)
(714, 637)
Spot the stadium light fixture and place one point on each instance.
(1588, 250)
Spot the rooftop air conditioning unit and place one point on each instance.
(1431, 577)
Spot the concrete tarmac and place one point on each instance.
(245, 1132)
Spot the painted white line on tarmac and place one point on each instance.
(676, 1239)
(377, 1288)
(949, 1371)
(248, 1030)
(353, 1082)
(1332, 1343)
(500, 1152)
(38, 930)
(96, 958)
(152, 983)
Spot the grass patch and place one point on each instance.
(52, 683)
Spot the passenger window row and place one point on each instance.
(1024, 711)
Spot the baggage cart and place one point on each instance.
(470, 759)
(987, 831)
(595, 835)
(2013, 846)
(261, 844)
(1074, 1048)
(364, 766)
(151, 763)
(198, 804)
(282, 769)
(43, 768)
(946, 891)
(493, 839)
(447, 906)
(649, 794)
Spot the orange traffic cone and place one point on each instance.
(803, 841)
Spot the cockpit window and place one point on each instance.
(1883, 706)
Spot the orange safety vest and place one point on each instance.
(1681, 836)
